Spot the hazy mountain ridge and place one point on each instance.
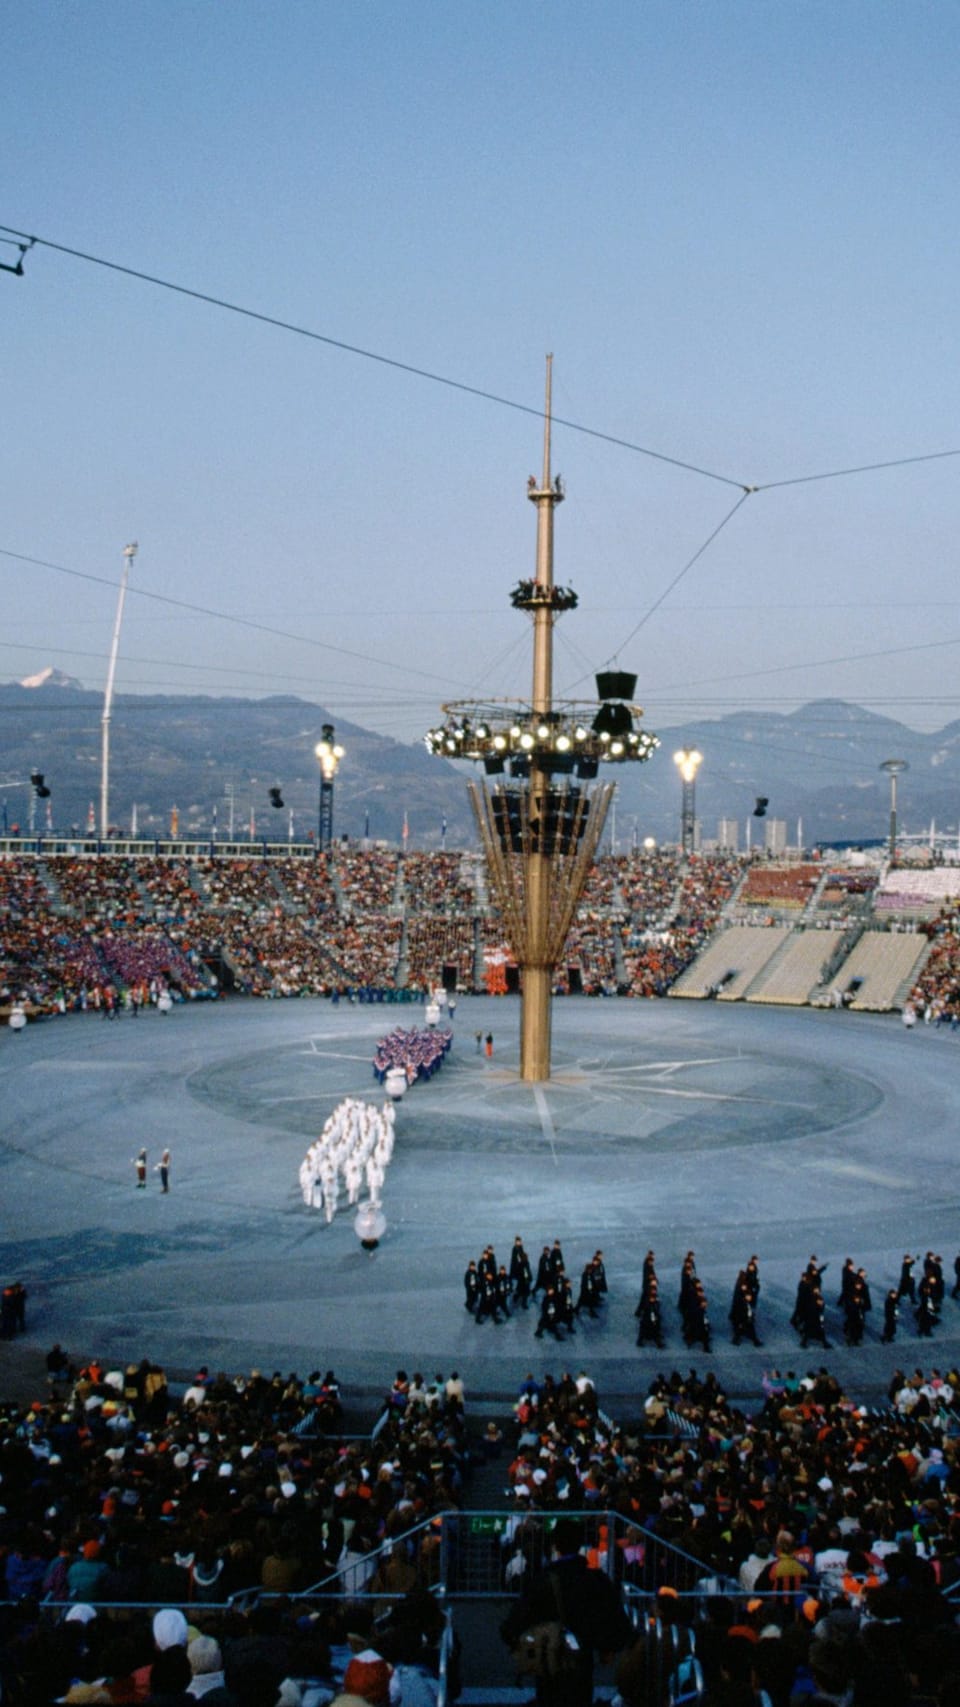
(820, 763)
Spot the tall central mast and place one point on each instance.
(535, 1019)
(546, 497)
(541, 827)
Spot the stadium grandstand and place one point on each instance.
(388, 927)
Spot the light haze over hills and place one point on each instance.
(819, 764)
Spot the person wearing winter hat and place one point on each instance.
(81, 1614)
(170, 1629)
(206, 1664)
(367, 1679)
(87, 1574)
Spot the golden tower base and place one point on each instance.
(540, 841)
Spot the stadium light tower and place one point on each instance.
(129, 553)
(893, 768)
(540, 831)
(688, 762)
(329, 755)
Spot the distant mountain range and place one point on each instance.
(820, 764)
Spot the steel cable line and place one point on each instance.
(280, 678)
(373, 356)
(811, 664)
(654, 694)
(678, 577)
(863, 468)
(461, 385)
(225, 616)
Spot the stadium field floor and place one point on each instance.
(678, 1125)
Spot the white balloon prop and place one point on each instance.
(370, 1225)
(395, 1083)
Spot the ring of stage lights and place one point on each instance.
(574, 736)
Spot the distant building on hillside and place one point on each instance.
(728, 835)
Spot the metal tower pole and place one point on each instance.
(129, 553)
(538, 964)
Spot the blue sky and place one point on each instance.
(734, 225)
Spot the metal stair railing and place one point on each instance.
(327, 1586)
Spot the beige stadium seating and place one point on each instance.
(796, 973)
(882, 960)
(743, 950)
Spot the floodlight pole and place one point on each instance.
(129, 553)
(893, 767)
(328, 754)
(688, 762)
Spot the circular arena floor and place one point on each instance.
(726, 1129)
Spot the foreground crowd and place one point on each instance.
(811, 1546)
(812, 1549)
(113, 1491)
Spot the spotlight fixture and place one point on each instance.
(616, 684)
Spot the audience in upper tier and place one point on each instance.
(83, 931)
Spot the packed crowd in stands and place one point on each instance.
(153, 957)
(116, 895)
(172, 896)
(936, 993)
(434, 943)
(648, 885)
(439, 883)
(239, 885)
(367, 921)
(306, 883)
(368, 883)
(818, 1539)
(590, 952)
(661, 954)
(782, 887)
(807, 1541)
(277, 955)
(113, 1491)
(366, 949)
